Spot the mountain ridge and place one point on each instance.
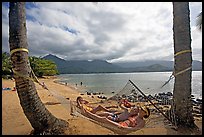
(102, 66)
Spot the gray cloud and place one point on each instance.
(108, 31)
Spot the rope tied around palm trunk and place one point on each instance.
(181, 52)
(19, 49)
(32, 76)
(180, 72)
(174, 75)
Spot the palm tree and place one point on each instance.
(182, 86)
(39, 117)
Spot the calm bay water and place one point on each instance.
(148, 82)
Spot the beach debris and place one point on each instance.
(95, 93)
(88, 93)
(102, 97)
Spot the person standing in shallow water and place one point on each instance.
(81, 83)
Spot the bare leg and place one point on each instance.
(111, 107)
(104, 114)
(99, 108)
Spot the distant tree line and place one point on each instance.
(6, 65)
(41, 67)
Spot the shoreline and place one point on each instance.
(79, 126)
(152, 89)
(103, 95)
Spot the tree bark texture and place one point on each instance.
(182, 85)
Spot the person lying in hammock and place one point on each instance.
(122, 116)
(136, 120)
(81, 103)
(127, 104)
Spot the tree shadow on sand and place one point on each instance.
(183, 131)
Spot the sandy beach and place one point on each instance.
(14, 121)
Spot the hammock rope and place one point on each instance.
(118, 130)
(65, 103)
(113, 128)
(174, 75)
(151, 102)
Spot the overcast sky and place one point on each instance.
(108, 31)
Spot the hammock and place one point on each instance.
(135, 96)
(103, 121)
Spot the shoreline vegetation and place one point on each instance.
(14, 121)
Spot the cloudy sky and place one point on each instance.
(108, 31)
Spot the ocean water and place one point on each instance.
(148, 82)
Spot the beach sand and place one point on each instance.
(14, 122)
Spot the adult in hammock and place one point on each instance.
(136, 120)
(126, 103)
(83, 104)
(122, 116)
(133, 119)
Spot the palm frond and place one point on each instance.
(199, 21)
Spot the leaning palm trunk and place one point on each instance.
(182, 86)
(39, 117)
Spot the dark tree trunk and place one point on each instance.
(182, 86)
(39, 117)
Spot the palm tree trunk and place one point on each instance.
(182, 86)
(39, 117)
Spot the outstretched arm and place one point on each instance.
(120, 105)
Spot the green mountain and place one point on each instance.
(83, 66)
(101, 66)
(196, 65)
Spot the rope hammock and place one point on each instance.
(134, 95)
(104, 122)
